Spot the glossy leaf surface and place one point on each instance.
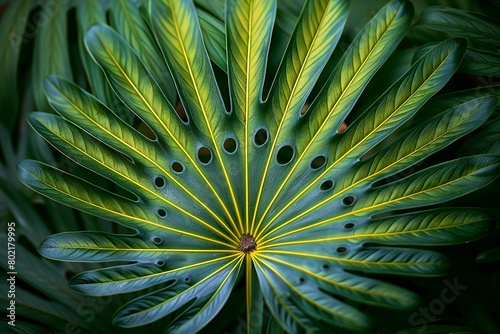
(273, 187)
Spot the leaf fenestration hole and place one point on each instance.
(204, 155)
(318, 162)
(349, 225)
(187, 279)
(162, 213)
(230, 145)
(341, 249)
(157, 240)
(260, 137)
(181, 112)
(327, 185)
(285, 155)
(348, 200)
(325, 266)
(342, 127)
(177, 167)
(160, 263)
(302, 280)
(159, 182)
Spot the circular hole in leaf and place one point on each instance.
(159, 182)
(285, 155)
(327, 185)
(318, 162)
(302, 280)
(260, 137)
(162, 213)
(230, 145)
(177, 167)
(348, 200)
(204, 155)
(349, 225)
(160, 263)
(187, 279)
(341, 249)
(325, 266)
(158, 240)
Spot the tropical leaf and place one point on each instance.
(478, 28)
(475, 61)
(277, 187)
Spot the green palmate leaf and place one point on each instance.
(270, 187)
(200, 297)
(304, 58)
(352, 72)
(475, 61)
(138, 276)
(246, 76)
(396, 106)
(176, 28)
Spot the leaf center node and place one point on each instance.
(247, 243)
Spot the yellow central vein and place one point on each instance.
(122, 215)
(361, 236)
(248, 290)
(247, 116)
(286, 109)
(382, 204)
(369, 177)
(159, 250)
(304, 296)
(160, 121)
(353, 148)
(192, 287)
(204, 113)
(277, 295)
(214, 295)
(173, 271)
(323, 124)
(349, 287)
(153, 162)
(140, 186)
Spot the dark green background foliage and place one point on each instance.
(351, 186)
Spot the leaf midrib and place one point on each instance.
(340, 159)
(283, 117)
(204, 113)
(371, 176)
(311, 141)
(380, 204)
(174, 138)
(140, 186)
